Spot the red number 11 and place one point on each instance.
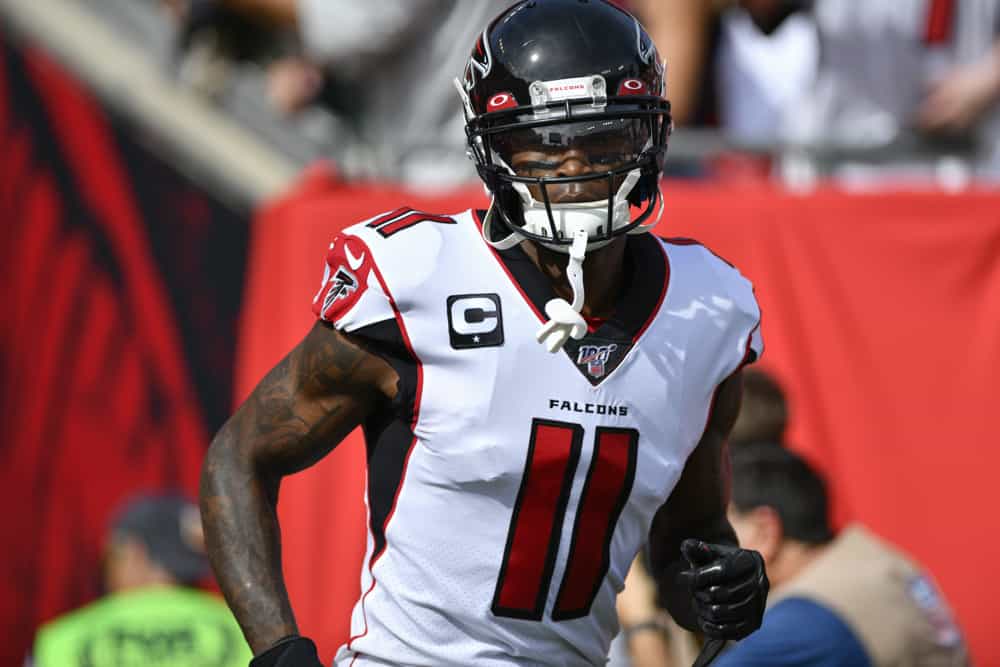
(537, 521)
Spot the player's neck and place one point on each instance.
(603, 275)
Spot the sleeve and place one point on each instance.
(797, 631)
(746, 311)
(753, 341)
(352, 299)
(350, 296)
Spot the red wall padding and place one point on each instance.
(121, 282)
(881, 317)
(95, 399)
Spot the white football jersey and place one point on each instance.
(509, 489)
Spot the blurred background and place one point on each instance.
(174, 170)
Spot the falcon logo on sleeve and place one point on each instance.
(343, 285)
(348, 267)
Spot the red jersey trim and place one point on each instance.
(510, 277)
(413, 425)
(682, 241)
(663, 295)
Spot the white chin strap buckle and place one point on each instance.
(564, 318)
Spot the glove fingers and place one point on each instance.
(725, 631)
(733, 567)
(727, 594)
(713, 564)
(698, 553)
(701, 578)
(739, 566)
(729, 587)
(728, 613)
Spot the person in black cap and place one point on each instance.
(152, 614)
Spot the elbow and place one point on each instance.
(230, 470)
(223, 469)
(217, 459)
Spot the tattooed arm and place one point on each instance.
(315, 396)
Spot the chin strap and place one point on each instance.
(507, 242)
(564, 318)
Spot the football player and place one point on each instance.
(544, 386)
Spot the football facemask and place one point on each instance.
(576, 176)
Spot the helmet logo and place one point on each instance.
(480, 63)
(645, 52)
(499, 101)
(632, 87)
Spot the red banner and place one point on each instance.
(881, 317)
(121, 284)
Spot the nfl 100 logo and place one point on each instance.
(595, 358)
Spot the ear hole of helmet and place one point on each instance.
(646, 188)
(509, 202)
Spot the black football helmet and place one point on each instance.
(560, 75)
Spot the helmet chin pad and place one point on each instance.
(591, 216)
(558, 222)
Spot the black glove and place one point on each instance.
(728, 586)
(293, 651)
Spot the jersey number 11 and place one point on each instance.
(537, 521)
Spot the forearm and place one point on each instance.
(650, 648)
(301, 409)
(239, 513)
(644, 625)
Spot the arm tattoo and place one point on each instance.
(296, 415)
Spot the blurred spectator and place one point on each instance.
(740, 64)
(648, 637)
(216, 35)
(766, 60)
(387, 68)
(151, 614)
(893, 66)
(397, 59)
(680, 29)
(844, 599)
(841, 77)
(836, 600)
(764, 411)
